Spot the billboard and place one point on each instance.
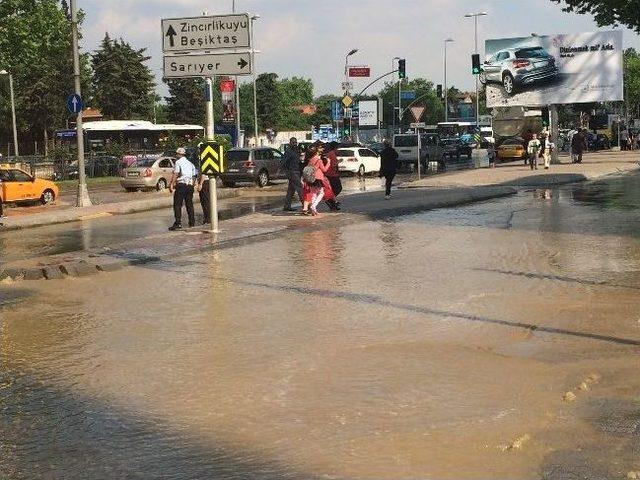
(228, 90)
(538, 71)
(368, 113)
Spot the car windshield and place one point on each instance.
(511, 141)
(237, 155)
(144, 162)
(534, 52)
(344, 153)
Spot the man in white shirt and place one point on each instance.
(533, 149)
(182, 184)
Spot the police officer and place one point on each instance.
(182, 184)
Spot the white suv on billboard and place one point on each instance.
(517, 67)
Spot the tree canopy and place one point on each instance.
(607, 12)
(35, 47)
(122, 82)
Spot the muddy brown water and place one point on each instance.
(436, 345)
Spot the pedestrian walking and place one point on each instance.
(182, 186)
(533, 149)
(333, 174)
(1, 201)
(546, 148)
(314, 178)
(293, 166)
(624, 137)
(388, 166)
(578, 144)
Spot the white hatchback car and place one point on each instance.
(358, 160)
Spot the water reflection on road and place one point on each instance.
(436, 345)
(100, 232)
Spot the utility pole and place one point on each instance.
(82, 199)
(475, 19)
(255, 90)
(213, 187)
(446, 88)
(237, 93)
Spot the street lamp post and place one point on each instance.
(13, 113)
(253, 68)
(353, 51)
(475, 21)
(446, 89)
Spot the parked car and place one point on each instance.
(406, 144)
(16, 185)
(148, 172)
(259, 165)
(514, 68)
(358, 160)
(511, 149)
(376, 147)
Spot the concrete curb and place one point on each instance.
(94, 263)
(85, 213)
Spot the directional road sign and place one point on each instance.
(336, 110)
(355, 72)
(74, 103)
(207, 65)
(408, 95)
(206, 33)
(211, 158)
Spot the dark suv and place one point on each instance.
(258, 165)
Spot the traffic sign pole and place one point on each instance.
(213, 187)
(83, 199)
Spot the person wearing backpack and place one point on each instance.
(292, 165)
(316, 185)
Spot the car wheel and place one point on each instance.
(161, 185)
(130, 189)
(263, 179)
(361, 171)
(507, 83)
(47, 197)
(228, 184)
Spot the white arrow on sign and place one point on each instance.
(206, 33)
(207, 65)
(74, 102)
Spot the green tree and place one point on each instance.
(425, 95)
(323, 110)
(607, 12)
(632, 81)
(123, 85)
(35, 47)
(186, 101)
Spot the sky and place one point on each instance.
(310, 38)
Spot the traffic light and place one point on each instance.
(402, 68)
(475, 64)
(439, 91)
(346, 128)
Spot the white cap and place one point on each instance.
(181, 151)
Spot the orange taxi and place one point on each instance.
(511, 149)
(16, 185)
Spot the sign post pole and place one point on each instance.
(213, 187)
(82, 199)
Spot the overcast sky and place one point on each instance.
(309, 38)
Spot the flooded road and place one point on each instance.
(495, 340)
(110, 230)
